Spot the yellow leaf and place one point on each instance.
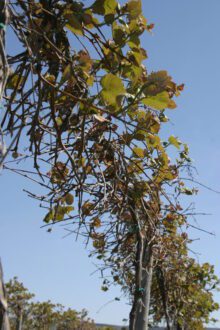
(85, 60)
(174, 141)
(153, 141)
(160, 101)
(113, 89)
(96, 222)
(87, 208)
(69, 199)
(139, 152)
(59, 121)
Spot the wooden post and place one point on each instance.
(139, 316)
(4, 322)
(144, 262)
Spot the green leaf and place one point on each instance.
(49, 216)
(139, 152)
(174, 141)
(140, 135)
(66, 73)
(58, 213)
(61, 211)
(113, 89)
(119, 34)
(154, 125)
(74, 25)
(15, 82)
(137, 55)
(59, 121)
(104, 288)
(134, 8)
(104, 7)
(88, 19)
(134, 41)
(159, 101)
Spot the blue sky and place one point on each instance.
(186, 43)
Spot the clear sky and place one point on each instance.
(186, 43)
